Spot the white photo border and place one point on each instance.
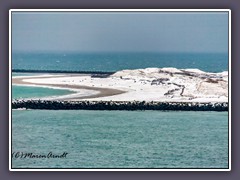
(119, 10)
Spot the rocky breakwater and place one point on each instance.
(118, 105)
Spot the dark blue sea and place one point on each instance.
(209, 62)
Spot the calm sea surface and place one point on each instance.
(214, 62)
(36, 92)
(23, 74)
(121, 139)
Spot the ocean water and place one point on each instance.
(24, 74)
(121, 139)
(36, 92)
(209, 62)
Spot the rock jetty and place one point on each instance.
(118, 105)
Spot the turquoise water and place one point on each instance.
(36, 92)
(210, 62)
(121, 139)
(24, 74)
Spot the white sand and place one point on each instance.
(150, 84)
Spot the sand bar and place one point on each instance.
(150, 84)
(101, 92)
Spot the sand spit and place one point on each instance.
(91, 91)
(150, 84)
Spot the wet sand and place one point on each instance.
(102, 92)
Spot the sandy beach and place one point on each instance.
(150, 84)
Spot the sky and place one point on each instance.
(120, 32)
